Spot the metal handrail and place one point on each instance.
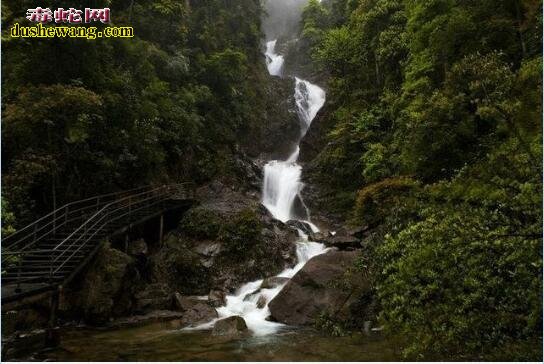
(59, 214)
(100, 217)
(106, 214)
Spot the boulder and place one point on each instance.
(217, 298)
(274, 282)
(179, 267)
(137, 248)
(105, 288)
(230, 326)
(320, 237)
(155, 296)
(322, 285)
(195, 310)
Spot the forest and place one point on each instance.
(430, 139)
(434, 135)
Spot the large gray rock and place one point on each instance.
(321, 286)
(230, 326)
(195, 310)
(105, 288)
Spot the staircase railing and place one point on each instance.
(95, 214)
(51, 223)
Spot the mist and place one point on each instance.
(283, 17)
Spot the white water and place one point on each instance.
(310, 99)
(244, 301)
(274, 61)
(282, 186)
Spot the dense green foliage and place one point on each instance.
(82, 117)
(435, 140)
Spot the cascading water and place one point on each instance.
(274, 61)
(282, 187)
(310, 99)
(282, 184)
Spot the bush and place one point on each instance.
(460, 283)
(242, 232)
(374, 202)
(201, 223)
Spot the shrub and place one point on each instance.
(460, 283)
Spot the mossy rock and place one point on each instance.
(201, 223)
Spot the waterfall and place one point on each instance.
(282, 184)
(309, 99)
(274, 61)
(281, 189)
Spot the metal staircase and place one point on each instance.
(50, 251)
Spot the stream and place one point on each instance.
(159, 342)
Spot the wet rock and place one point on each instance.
(137, 248)
(156, 296)
(177, 299)
(21, 345)
(230, 326)
(341, 239)
(281, 131)
(274, 282)
(320, 237)
(304, 227)
(251, 296)
(261, 302)
(195, 310)
(315, 139)
(343, 242)
(217, 298)
(321, 286)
